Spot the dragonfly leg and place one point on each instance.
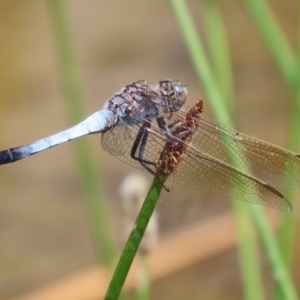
(140, 142)
(163, 125)
(139, 146)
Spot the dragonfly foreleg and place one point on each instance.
(140, 142)
(139, 146)
(164, 126)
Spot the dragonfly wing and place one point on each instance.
(274, 165)
(119, 140)
(202, 171)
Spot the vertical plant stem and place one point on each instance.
(134, 241)
(288, 223)
(247, 251)
(219, 51)
(97, 212)
(280, 271)
(143, 287)
(289, 67)
(287, 228)
(199, 60)
(246, 244)
(203, 71)
(273, 38)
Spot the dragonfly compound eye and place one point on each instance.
(180, 93)
(174, 91)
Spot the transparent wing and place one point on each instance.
(218, 159)
(274, 165)
(200, 171)
(118, 141)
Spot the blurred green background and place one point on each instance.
(44, 231)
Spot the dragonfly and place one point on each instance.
(149, 127)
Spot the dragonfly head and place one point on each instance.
(173, 91)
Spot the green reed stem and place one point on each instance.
(289, 66)
(280, 272)
(246, 245)
(274, 39)
(69, 75)
(143, 287)
(218, 49)
(288, 223)
(221, 66)
(205, 75)
(199, 59)
(134, 241)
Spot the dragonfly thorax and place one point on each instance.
(140, 100)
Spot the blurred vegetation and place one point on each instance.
(96, 207)
(135, 56)
(217, 83)
(216, 79)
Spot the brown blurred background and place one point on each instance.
(44, 231)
